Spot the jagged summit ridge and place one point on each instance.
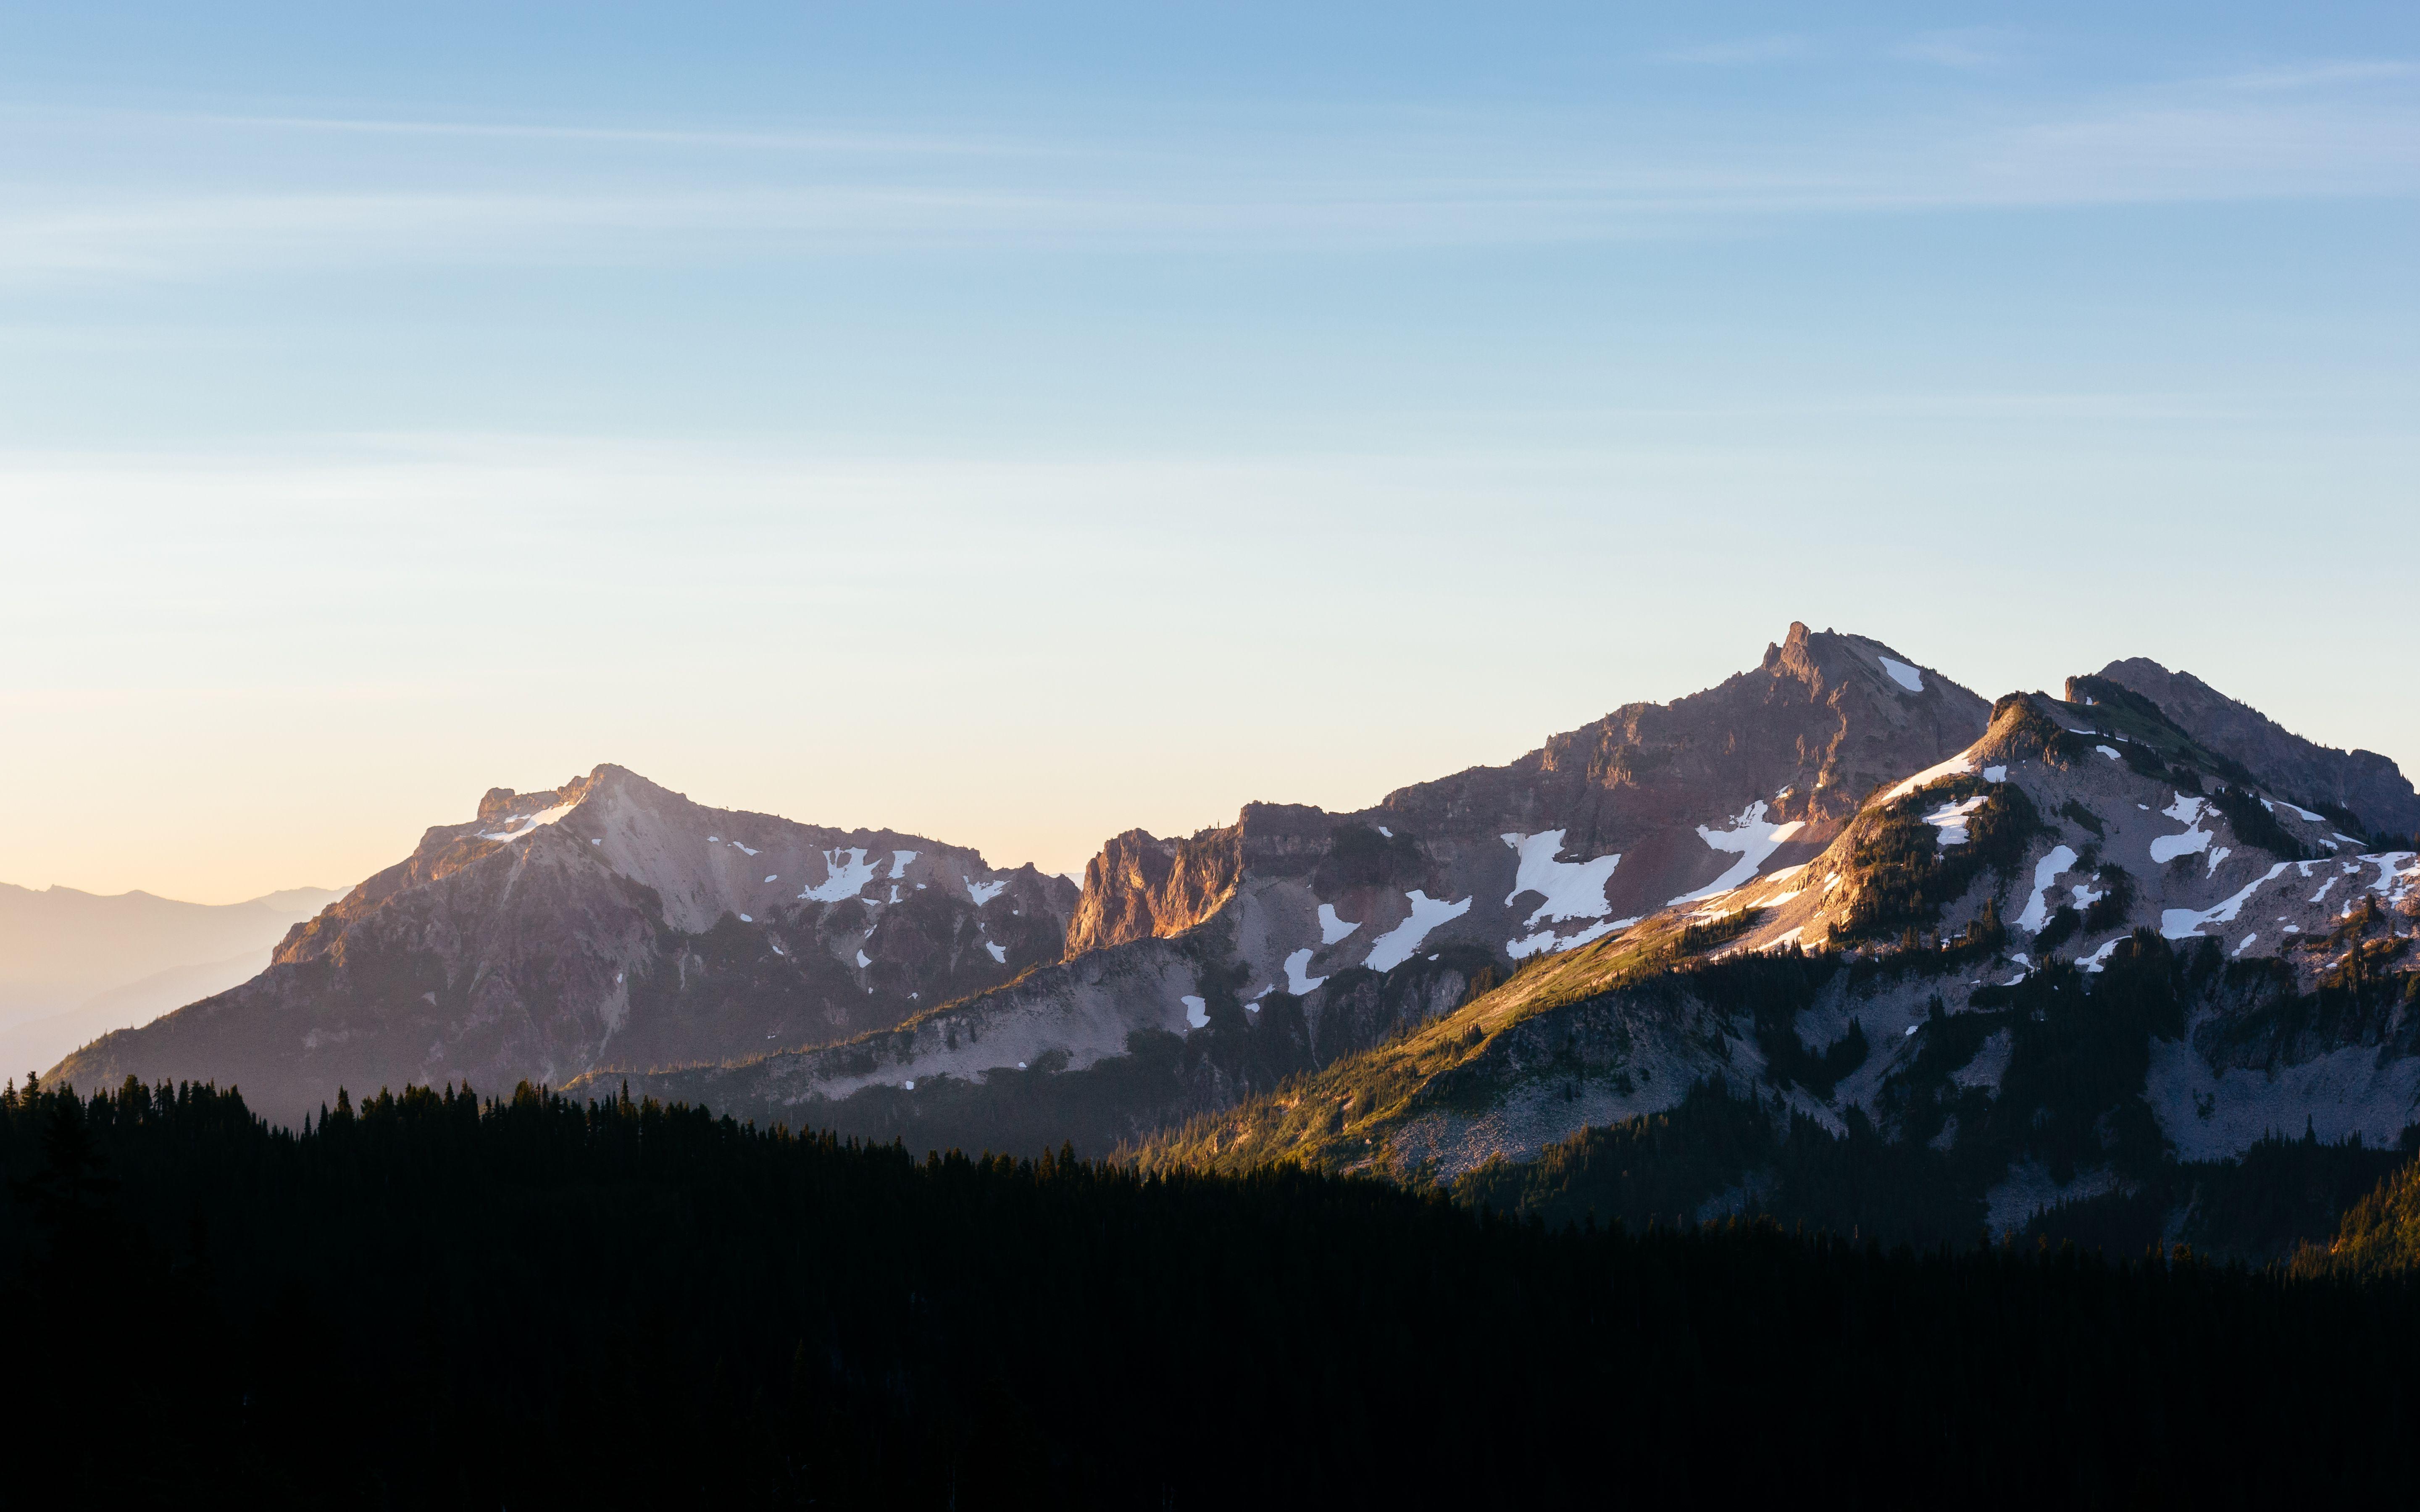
(1295, 935)
(1660, 801)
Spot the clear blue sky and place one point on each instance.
(1018, 423)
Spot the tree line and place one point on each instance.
(436, 1299)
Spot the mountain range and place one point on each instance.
(1839, 888)
(2083, 945)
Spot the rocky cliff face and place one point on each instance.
(1614, 821)
(608, 922)
(1329, 931)
(1141, 886)
(2372, 787)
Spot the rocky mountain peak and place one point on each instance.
(1796, 657)
(501, 804)
(1653, 801)
(608, 922)
(1820, 722)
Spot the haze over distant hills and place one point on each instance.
(74, 966)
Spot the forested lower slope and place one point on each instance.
(430, 1301)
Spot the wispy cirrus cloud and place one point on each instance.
(2317, 75)
(523, 193)
(1968, 47)
(1738, 51)
(841, 143)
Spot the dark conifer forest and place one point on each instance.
(429, 1299)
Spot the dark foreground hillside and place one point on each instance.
(433, 1302)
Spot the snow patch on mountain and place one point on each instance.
(1951, 821)
(1903, 675)
(1572, 889)
(1752, 838)
(2398, 873)
(1396, 946)
(533, 823)
(2046, 871)
(2189, 813)
(1547, 941)
(1296, 982)
(1958, 765)
(1332, 928)
(2184, 923)
(843, 878)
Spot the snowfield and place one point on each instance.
(1297, 983)
(1961, 765)
(1396, 946)
(2184, 923)
(1572, 889)
(533, 823)
(2189, 813)
(1951, 821)
(1752, 839)
(2046, 872)
(1903, 675)
(843, 878)
(1547, 941)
